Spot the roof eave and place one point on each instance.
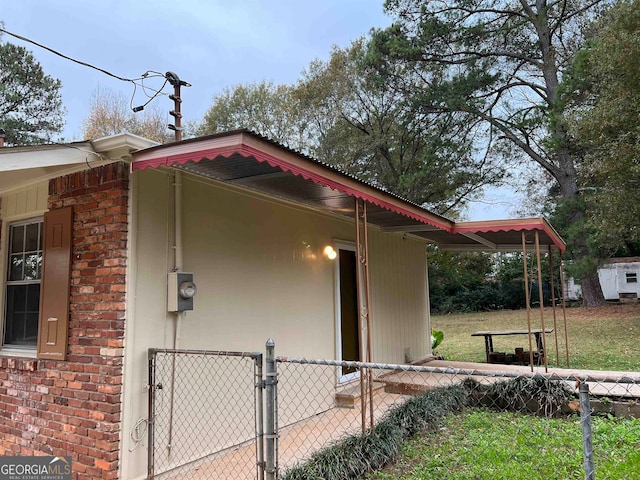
(251, 145)
(247, 144)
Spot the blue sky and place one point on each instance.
(210, 44)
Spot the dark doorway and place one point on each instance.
(348, 286)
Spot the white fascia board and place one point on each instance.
(18, 179)
(22, 158)
(115, 147)
(122, 145)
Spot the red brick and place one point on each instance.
(50, 407)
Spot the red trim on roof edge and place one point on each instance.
(248, 152)
(251, 152)
(499, 228)
(541, 224)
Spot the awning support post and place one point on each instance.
(367, 299)
(363, 400)
(364, 317)
(541, 296)
(553, 306)
(526, 296)
(564, 310)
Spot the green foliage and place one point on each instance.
(458, 281)
(343, 112)
(603, 97)
(358, 454)
(503, 446)
(584, 251)
(498, 65)
(380, 136)
(437, 337)
(539, 395)
(473, 282)
(31, 108)
(268, 109)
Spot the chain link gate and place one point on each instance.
(205, 414)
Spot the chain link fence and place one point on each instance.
(224, 415)
(205, 411)
(502, 411)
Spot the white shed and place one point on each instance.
(619, 278)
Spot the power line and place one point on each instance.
(169, 77)
(150, 98)
(106, 72)
(55, 52)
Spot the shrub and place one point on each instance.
(356, 455)
(539, 395)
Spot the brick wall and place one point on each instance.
(73, 407)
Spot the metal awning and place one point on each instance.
(253, 162)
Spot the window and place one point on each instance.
(22, 287)
(632, 277)
(37, 284)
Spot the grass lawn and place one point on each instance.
(489, 445)
(505, 446)
(604, 338)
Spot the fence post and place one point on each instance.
(151, 413)
(259, 403)
(271, 434)
(587, 439)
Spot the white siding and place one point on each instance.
(260, 272)
(613, 280)
(608, 276)
(624, 285)
(25, 203)
(398, 298)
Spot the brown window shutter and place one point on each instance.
(56, 284)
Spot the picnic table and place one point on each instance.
(488, 339)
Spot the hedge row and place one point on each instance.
(354, 456)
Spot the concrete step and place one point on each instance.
(348, 395)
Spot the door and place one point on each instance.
(347, 289)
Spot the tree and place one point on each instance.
(110, 114)
(343, 113)
(499, 62)
(602, 94)
(31, 108)
(458, 282)
(267, 109)
(364, 125)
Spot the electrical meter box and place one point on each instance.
(180, 291)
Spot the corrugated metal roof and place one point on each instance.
(251, 161)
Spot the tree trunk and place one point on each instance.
(592, 291)
(592, 295)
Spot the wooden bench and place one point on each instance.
(488, 343)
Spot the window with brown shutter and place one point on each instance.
(22, 283)
(56, 284)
